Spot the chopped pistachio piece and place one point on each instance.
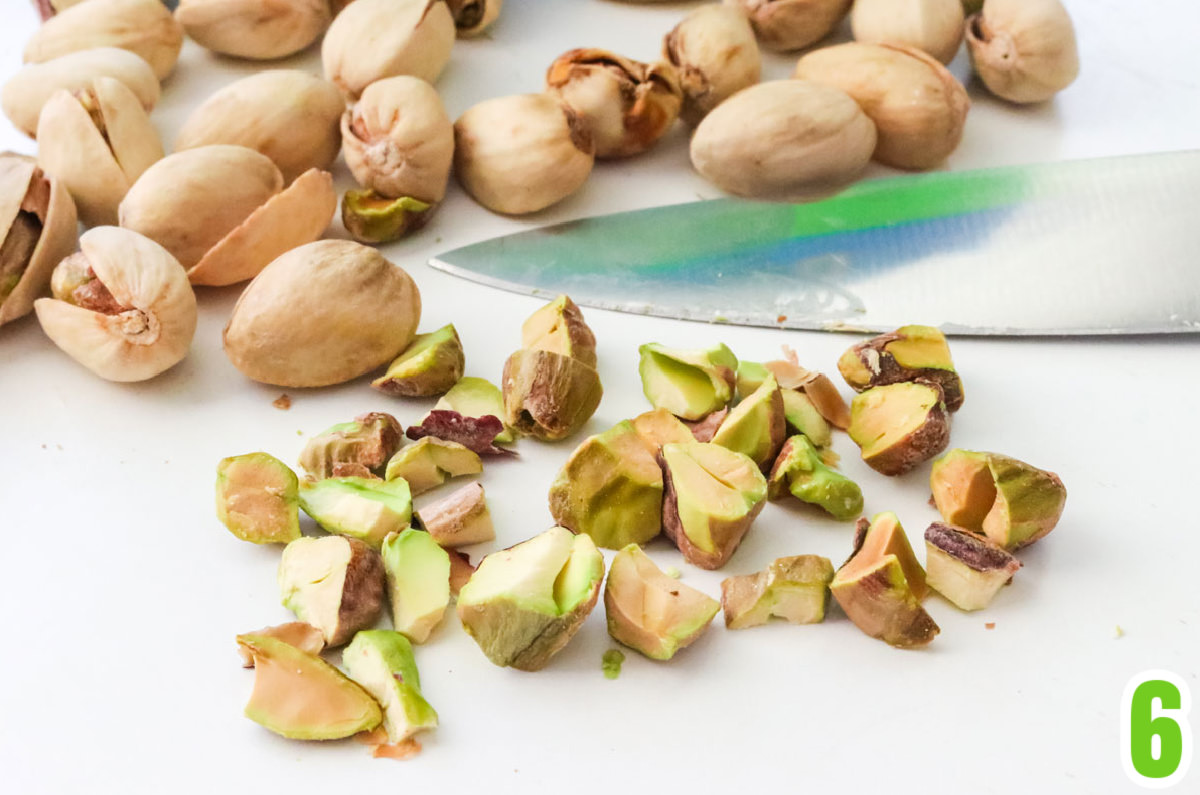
(382, 663)
(899, 426)
(611, 662)
(477, 397)
(459, 520)
(366, 509)
(795, 589)
(548, 395)
(559, 327)
(430, 462)
(690, 384)
(755, 427)
(370, 440)
(258, 498)
(906, 354)
(965, 568)
(334, 583)
(418, 580)
(372, 218)
(800, 471)
(430, 365)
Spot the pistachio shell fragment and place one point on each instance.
(473, 17)
(430, 366)
(1023, 51)
(549, 395)
(715, 55)
(288, 115)
(26, 92)
(98, 141)
(134, 319)
(369, 441)
(37, 230)
(431, 462)
(256, 29)
(143, 27)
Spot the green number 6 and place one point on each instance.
(1156, 738)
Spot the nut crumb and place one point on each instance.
(990, 625)
(672, 572)
(1118, 633)
(781, 319)
(283, 402)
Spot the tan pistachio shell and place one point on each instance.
(144, 27)
(27, 91)
(322, 314)
(521, 154)
(406, 37)
(288, 115)
(25, 189)
(255, 29)
(297, 215)
(473, 17)
(98, 150)
(715, 55)
(787, 25)
(933, 26)
(1023, 51)
(156, 328)
(188, 201)
(918, 107)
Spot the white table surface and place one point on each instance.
(121, 592)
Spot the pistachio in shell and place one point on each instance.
(98, 141)
(254, 29)
(398, 140)
(522, 153)
(26, 92)
(131, 313)
(322, 314)
(143, 27)
(1023, 51)
(625, 104)
(934, 26)
(222, 211)
(406, 37)
(288, 115)
(715, 55)
(787, 25)
(918, 107)
(37, 229)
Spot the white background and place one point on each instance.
(121, 593)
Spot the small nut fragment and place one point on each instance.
(374, 219)
(548, 395)
(625, 105)
(288, 115)
(1023, 50)
(473, 17)
(459, 520)
(899, 426)
(370, 441)
(257, 29)
(430, 462)
(258, 499)
(406, 37)
(521, 154)
(304, 637)
(430, 366)
(135, 314)
(37, 230)
(715, 54)
(334, 583)
(934, 26)
(381, 661)
(98, 141)
(918, 107)
(27, 91)
(143, 27)
(792, 24)
(906, 354)
(795, 589)
(964, 568)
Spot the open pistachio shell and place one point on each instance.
(144, 27)
(150, 318)
(98, 141)
(27, 91)
(37, 229)
(257, 29)
(188, 201)
(297, 215)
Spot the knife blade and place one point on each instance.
(1105, 246)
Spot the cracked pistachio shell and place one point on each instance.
(473, 17)
(398, 140)
(255, 29)
(715, 55)
(792, 24)
(522, 153)
(37, 229)
(1023, 51)
(401, 37)
(626, 105)
(783, 137)
(933, 26)
(918, 107)
(154, 320)
(98, 141)
(288, 115)
(143, 27)
(322, 314)
(27, 91)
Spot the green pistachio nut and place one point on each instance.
(691, 384)
(258, 498)
(800, 471)
(363, 508)
(375, 219)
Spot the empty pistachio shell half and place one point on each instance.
(37, 229)
(1023, 51)
(792, 24)
(98, 141)
(133, 313)
(918, 107)
(144, 27)
(257, 29)
(406, 37)
(782, 137)
(715, 54)
(521, 154)
(321, 314)
(27, 91)
(220, 210)
(398, 140)
(288, 115)
(626, 105)
(472, 17)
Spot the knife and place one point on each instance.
(1105, 246)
